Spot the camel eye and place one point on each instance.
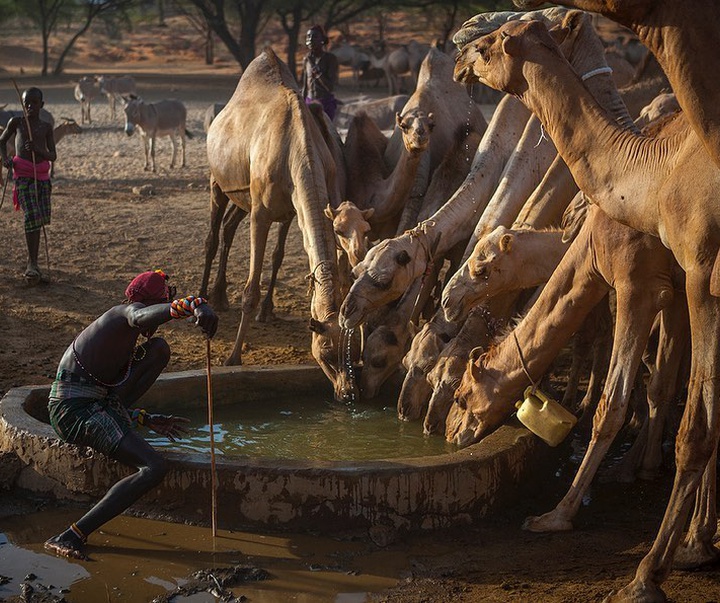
(480, 271)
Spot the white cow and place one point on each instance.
(116, 88)
(86, 90)
(164, 118)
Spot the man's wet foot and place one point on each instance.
(67, 545)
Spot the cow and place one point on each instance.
(85, 92)
(116, 88)
(163, 118)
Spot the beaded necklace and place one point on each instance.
(127, 373)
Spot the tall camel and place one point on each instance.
(665, 187)
(271, 160)
(685, 51)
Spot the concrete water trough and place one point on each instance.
(262, 493)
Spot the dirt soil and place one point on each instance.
(102, 234)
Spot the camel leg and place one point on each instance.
(218, 204)
(266, 307)
(230, 222)
(259, 228)
(664, 381)
(635, 316)
(695, 445)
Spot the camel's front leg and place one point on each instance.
(259, 228)
(218, 204)
(230, 223)
(695, 444)
(635, 314)
(267, 306)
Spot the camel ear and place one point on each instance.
(398, 119)
(367, 213)
(559, 34)
(473, 365)
(510, 44)
(412, 329)
(403, 258)
(329, 212)
(506, 243)
(316, 326)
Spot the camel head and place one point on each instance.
(415, 127)
(424, 351)
(382, 354)
(388, 271)
(336, 357)
(477, 410)
(351, 228)
(497, 59)
(444, 379)
(487, 272)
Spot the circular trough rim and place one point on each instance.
(498, 463)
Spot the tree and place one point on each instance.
(46, 13)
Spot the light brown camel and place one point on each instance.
(351, 227)
(664, 187)
(447, 371)
(271, 159)
(504, 260)
(387, 342)
(369, 183)
(437, 93)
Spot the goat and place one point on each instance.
(164, 118)
(116, 88)
(85, 92)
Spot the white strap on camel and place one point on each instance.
(594, 72)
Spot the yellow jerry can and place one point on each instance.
(545, 417)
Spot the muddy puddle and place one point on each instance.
(137, 560)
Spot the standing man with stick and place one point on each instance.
(320, 72)
(101, 375)
(35, 149)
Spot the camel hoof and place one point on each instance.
(546, 523)
(265, 315)
(636, 592)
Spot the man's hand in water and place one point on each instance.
(167, 425)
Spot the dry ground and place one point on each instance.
(102, 235)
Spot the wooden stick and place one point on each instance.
(213, 474)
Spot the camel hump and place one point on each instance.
(715, 277)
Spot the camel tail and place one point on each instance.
(715, 277)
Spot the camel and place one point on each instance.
(444, 377)
(437, 93)
(664, 187)
(273, 177)
(387, 342)
(368, 184)
(382, 110)
(405, 60)
(351, 228)
(664, 103)
(504, 260)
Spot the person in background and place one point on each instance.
(35, 148)
(102, 373)
(320, 72)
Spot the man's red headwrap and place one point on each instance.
(148, 286)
